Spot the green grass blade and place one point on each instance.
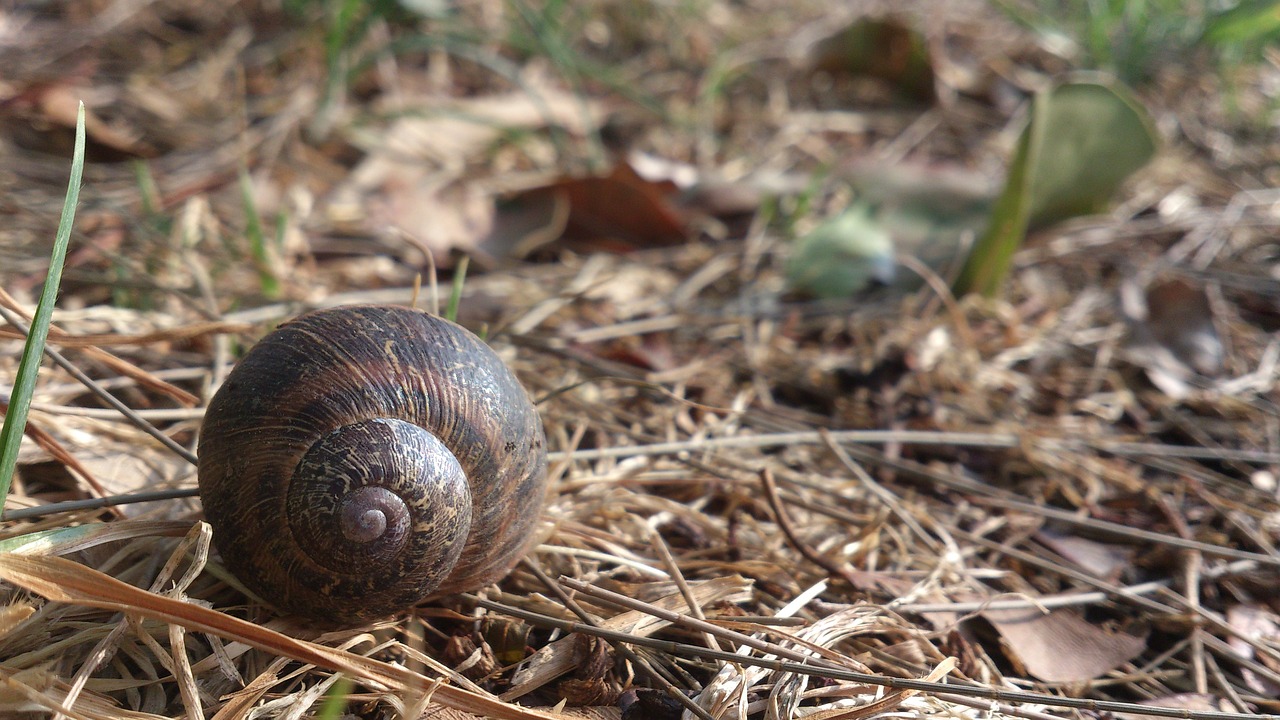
(1249, 22)
(455, 297)
(989, 261)
(267, 279)
(15, 419)
(336, 699)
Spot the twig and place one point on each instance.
(98, 503)
(1125, 531)
(784, 522)
(157, 414)
(625, 651)
(1171, 451)
(49, 444)
(941, 690)
(889, 500)
(1071, 599)
(102, 393)
(673, 569)
(909, 437)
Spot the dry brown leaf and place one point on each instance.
(127, 468)
(441, 218)
(60, 104)
(710, 196)
(524, 223)
(1102, 560)
(412, 179)
(458, 131)
(120, 458)
(48, 110)
(617, 212)
(1060, 646)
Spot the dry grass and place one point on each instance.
(762, 506)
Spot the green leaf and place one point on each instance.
(931, 213)
(1095, 136)
(842, 256)
(15, 419)
(1246, 23)
(1084, 139)
(50, 542)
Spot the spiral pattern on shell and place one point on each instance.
(361, 459)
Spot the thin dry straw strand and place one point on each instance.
(102, 393)
(820, 668)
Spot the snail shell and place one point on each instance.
(361, 459)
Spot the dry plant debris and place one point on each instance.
(1059, 503)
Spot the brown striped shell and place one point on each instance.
(361, 459)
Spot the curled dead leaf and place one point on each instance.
(1060, 646)
(617, 212)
